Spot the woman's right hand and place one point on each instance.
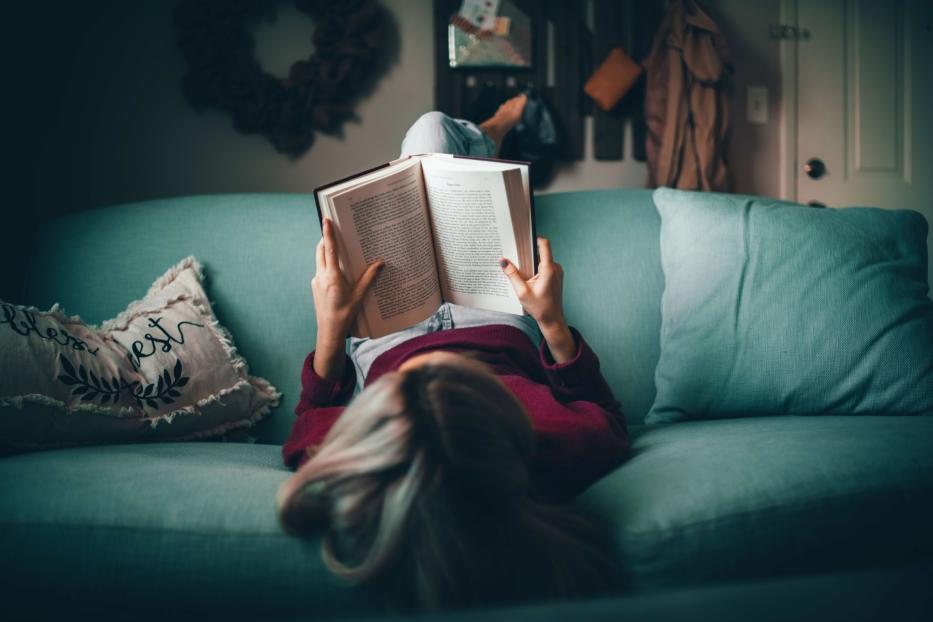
(542, 298)
(336, 302)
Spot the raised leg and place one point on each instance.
(435, 132)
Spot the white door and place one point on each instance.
(865, 104)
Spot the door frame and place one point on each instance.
(788, 63)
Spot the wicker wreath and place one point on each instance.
(319, 93)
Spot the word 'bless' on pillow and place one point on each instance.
(773, 308)
(162, 370)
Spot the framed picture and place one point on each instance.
(489, 33)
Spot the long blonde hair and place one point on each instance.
(424, 485)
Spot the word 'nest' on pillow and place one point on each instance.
(164, 369)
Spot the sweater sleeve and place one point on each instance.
(321, 403)
(580, 377)
(582, 434)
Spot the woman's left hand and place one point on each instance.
(542, 297)
(336, 301)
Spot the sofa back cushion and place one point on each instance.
(774, 308)
(258, 256)
(608, 243)
(257, 252)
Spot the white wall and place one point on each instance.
(754, 150)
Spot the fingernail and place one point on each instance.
(503, 263)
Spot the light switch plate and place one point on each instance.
(756, 106)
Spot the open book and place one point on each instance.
(441, 223)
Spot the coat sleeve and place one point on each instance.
(581, 430)
(321, 403)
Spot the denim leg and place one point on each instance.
(465, 317)
(435, 132)
(363, 351)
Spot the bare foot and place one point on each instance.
(507, 116)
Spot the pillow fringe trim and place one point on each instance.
(272, 399)
(138, 307)
(221, 333)
(225, 338)
(216, 431)
(131, 312)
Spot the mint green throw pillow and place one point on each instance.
(775, 308)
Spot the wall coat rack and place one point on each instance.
(569, 39)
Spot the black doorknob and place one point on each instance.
(814, 168)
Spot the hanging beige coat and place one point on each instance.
(686, 110)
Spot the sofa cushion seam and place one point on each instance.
(156, 529)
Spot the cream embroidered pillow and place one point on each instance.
(162, 370)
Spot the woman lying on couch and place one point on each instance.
(438, 481)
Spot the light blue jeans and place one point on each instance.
(435, 132)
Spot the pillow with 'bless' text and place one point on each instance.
(773, 308)
(162, 370)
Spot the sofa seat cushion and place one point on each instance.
(158, 527)
(737, 498)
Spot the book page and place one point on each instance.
(471, 223)
(518, 185)
(387, 219)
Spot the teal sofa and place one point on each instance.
(753, 516)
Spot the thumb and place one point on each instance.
(367, 279)
(518, 283)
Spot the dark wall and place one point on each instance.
(95, 114)
(38, 50)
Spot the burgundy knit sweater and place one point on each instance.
(580, 430)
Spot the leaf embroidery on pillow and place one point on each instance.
(90, 387)
(165, 389)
